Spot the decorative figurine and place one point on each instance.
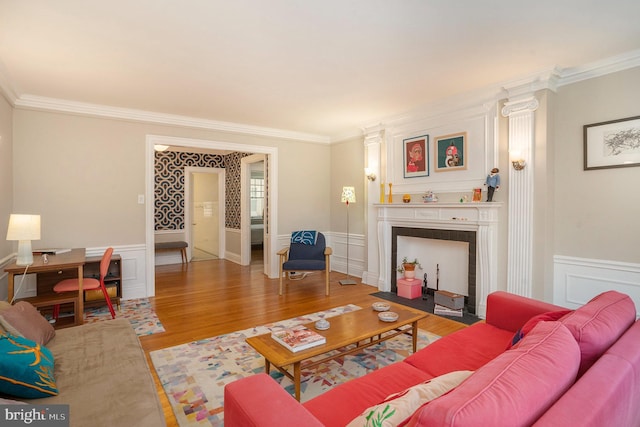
(429, 197)
(493, 183)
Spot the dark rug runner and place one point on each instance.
(425, 305)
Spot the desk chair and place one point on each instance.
(88, 283)
(306, 257)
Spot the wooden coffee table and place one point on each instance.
(349, 333)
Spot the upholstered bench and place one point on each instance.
(174, 246)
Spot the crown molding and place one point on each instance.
(610, 65)
(33, 102)
(550, 79)
(524, 87)
(516, 89)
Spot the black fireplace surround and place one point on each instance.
(436, 234)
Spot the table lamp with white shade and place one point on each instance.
(24, 229)
(348, 196)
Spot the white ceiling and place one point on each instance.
(323, 67)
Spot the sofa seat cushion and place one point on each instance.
(515, 388)
(466, 350)
(341, 404)
(102, 373)
(599, 323)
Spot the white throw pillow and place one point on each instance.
(400, 406)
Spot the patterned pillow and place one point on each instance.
(400, 406)
(26, 368)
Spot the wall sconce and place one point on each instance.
(517, 161)
(370, 175)
(160, 147)
(518, 164)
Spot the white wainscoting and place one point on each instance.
(577, 280)
(133, 271)
(28, 288)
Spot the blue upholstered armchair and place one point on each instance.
(306, 255)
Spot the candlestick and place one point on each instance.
(390, 193)
(382, 192)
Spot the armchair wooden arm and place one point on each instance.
(283, 251)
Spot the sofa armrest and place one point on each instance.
(260, 401)
(510, 312)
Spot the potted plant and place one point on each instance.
(408, 268)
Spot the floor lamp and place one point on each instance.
(348, 196)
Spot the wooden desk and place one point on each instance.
(69, 260)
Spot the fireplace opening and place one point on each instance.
(468, 237)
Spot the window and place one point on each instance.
(257, 197)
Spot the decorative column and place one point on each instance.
(520, 239)
(374, 160)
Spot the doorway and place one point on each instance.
(254, 209)
(271, 208)
(204, 188)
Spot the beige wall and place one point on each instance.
(347, 169)
(597, 212)
(83, 175)
(6, 175)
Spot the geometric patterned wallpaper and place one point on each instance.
(169, 182)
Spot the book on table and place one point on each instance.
(298, 338)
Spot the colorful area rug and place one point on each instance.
(194, 374)
(139, 312)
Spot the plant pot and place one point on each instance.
(409, 274)
(409, 271)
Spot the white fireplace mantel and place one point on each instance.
(481, 217)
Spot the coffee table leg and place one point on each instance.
(414, 335)
(296, 379)
(267, 366)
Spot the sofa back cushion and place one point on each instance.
(616, 378)
(598, 324)
(515, 388)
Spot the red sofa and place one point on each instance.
(583, 369)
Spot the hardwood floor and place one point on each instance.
(203, 299)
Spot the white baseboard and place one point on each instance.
(577, 280)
